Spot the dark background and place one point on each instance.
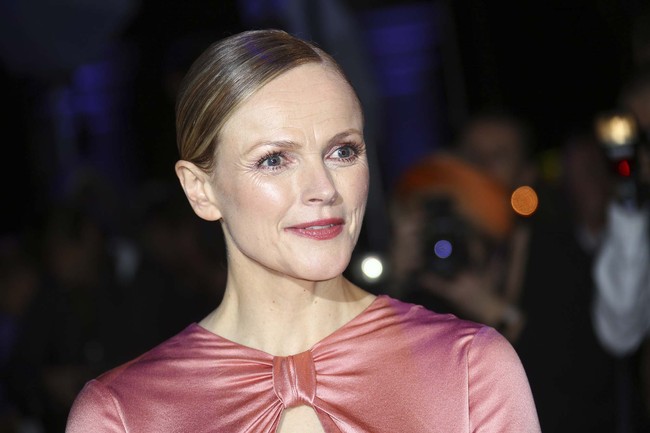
(556, 62)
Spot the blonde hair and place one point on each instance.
(224, 76)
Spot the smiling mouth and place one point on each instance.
(319, 227)
(319, 230)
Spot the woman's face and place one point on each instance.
(291, 176)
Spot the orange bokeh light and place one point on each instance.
(524, 200)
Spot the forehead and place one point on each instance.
(309, 94)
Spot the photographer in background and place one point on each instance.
(451, 224)
(489, 159)
(622, 269)
(621, 311)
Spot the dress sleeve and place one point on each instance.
(500, 399)
(95, 410)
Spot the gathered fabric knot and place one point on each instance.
(294, 379)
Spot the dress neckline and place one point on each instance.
(376, 303)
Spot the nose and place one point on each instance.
(317, 184)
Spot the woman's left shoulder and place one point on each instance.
(445, 329)
(488, 345)
(418, 316)
(499, 393)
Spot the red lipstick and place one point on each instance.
(319, 230)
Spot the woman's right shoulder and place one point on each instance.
(95, 406)
(101, 401)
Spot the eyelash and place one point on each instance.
(357, 150)
(260, 162)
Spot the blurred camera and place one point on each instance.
(444, 238)
(618, 132)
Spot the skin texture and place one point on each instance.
(306, 130)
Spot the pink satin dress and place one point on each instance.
(396, 367)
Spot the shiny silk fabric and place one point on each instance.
(396, 367)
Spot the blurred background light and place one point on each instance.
(524, 200)
(443, 248)
(372, 267)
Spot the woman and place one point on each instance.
(271, 142)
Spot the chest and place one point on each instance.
(300, 419)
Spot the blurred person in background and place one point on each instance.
(451, 226)
(476, 177)
(501, 144)
(621, 311)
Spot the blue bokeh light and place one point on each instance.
(443, 249)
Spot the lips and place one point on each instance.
(319, 230)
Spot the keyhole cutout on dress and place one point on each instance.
(300, 419)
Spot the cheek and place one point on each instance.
(254, 201)
(361, 185)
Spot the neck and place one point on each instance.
(281, 315)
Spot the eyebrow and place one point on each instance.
(282, 144)
(289, 144)
(344, 134)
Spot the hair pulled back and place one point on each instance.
(227, 73)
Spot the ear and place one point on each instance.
(198, 189)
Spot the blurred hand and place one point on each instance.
(474, 295)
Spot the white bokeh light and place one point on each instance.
(372, 267)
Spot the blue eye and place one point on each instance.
(347, 153)
(344, 152)
(271, 160)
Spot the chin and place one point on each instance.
(321, 271)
